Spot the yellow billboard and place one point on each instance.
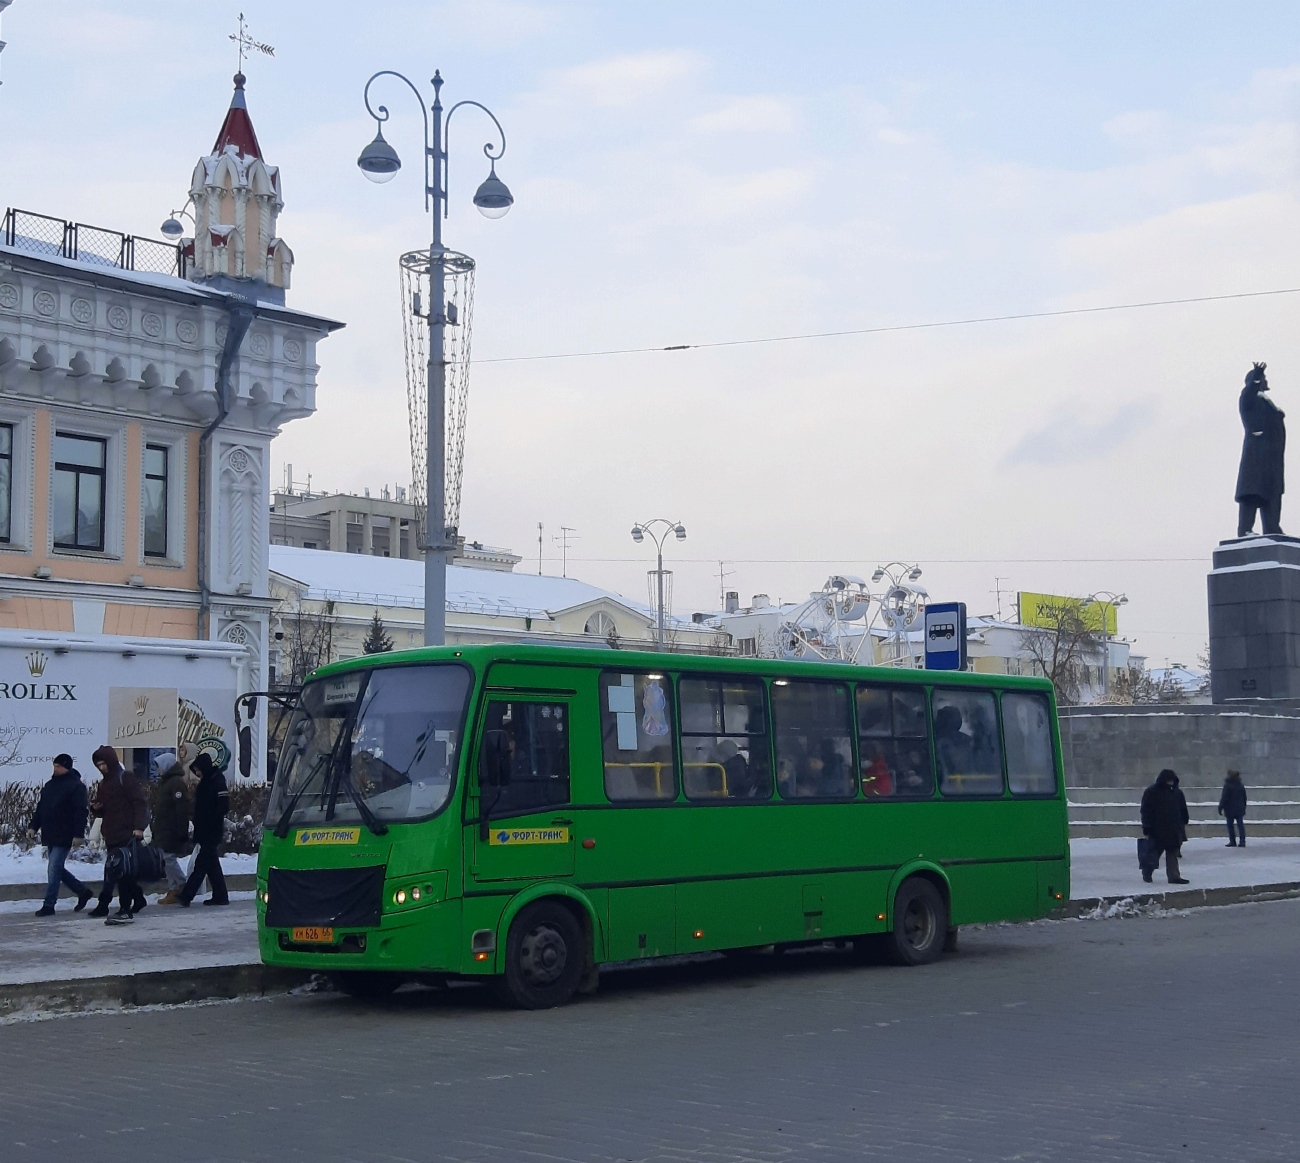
(1046, 611)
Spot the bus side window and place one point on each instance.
(893, 742)
(724, 739)
(814, 750)
(966, 743)
(636, 728)
(1027, 729)
(524, 758)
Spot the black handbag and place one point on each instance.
(137, 861)
(1148, 854)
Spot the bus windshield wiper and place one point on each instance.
(282, 827)
(371, 820)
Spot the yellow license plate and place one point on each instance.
(312, 935)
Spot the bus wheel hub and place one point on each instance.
(543, 955)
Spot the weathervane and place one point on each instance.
(247, 44)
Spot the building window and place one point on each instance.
(601, 625)
(6, 479)
(79, 463)
(155, 500)
(747, 647)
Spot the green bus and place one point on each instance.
(529, 813)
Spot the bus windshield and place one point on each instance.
(376, 746)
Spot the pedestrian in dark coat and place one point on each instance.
(171, 821)
(211, 803)
(1164, 822)
(60, 818)
(1232, 807)
(123, 806)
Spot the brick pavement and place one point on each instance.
(1145, 1040)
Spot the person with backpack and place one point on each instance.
(1164, 822)
(211, 803)
(60, 818)
(122, 805)
(171, 821)
(1232, 807)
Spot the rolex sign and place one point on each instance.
(142, 716)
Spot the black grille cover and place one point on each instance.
(342, 897)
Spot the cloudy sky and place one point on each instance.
(692, 172)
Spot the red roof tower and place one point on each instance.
(237, 129)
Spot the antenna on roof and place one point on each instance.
(247, 44)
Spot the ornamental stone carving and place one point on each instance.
(260, 344)
(292, 350)
(119, 318)
(151, 324)
(221, 335)
(187, 331)
(8, 296)
(83, 310)
(237, 634)
(45, 302)
(238, 460)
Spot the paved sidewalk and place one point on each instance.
(70, 946)
(1109, 868)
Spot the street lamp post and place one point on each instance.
(379, 162)
(640, 531)
(1107, 601)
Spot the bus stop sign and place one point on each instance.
(945, 636)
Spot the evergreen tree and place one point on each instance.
(377, 642)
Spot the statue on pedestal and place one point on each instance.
(1259, 480)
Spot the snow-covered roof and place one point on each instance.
(47, 252)
(390, 581)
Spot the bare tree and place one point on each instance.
(1063, 647)
(308, 640)
(1132, 686)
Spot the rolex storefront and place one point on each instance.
(73, 693)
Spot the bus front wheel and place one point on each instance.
(544, 957)
(920, 923)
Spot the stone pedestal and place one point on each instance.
(1254, 595)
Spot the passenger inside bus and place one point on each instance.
(970, 761)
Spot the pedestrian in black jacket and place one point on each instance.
(1164, 822)
(123, 806)
(211, 803)
(1232, 807)
(60, 817)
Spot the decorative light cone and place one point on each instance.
(379, 160)
(493, 198)
(172, 228)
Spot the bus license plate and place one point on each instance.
(312, 935)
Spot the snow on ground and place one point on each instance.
(19, 867)
(1108, 867)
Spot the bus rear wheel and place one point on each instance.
(544, 957)
(366, 982)
(920, 923)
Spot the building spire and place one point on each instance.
(237, 129)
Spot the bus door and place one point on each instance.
(522, 826)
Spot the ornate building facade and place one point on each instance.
(141, 385)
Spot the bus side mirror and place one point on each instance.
(494, 771)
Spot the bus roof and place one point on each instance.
(606, 659)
